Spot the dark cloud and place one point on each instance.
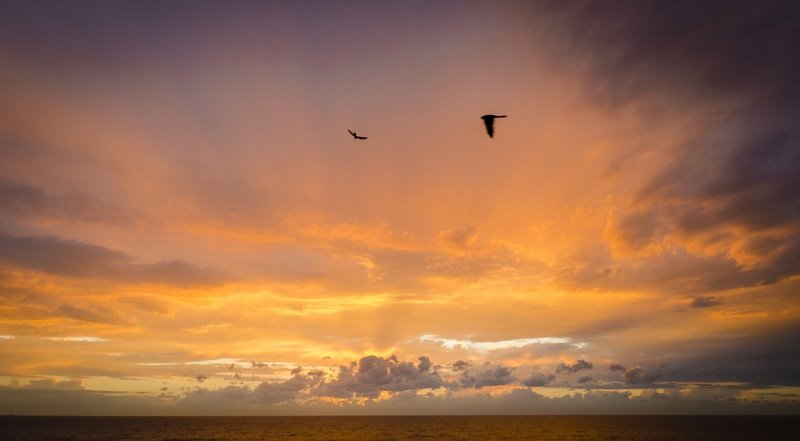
(373, 374)
(675, 271)
(575, 367)
(637, 375)
(201, 378)
(585, 379)
(737, 168)
(753, 186)
(424, 364)
(766, 358)
(22, 200)
(538, 379)
(460, 365)
(50, 384)
(288, 390)
(237, 401)
(63, 257)
(704, 302)
(491, 376)
(78, 259)
(616, 367)
(695, 47)
(633, 375)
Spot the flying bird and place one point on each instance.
(488, 120)
(355, 136)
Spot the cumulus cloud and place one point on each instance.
(637, 375)
(373, 374)
(460, 365)
(287, 390)
(616, 367)
(488, 376)
(633, 375)
(424, 364)
(575, 367)
(538, 379)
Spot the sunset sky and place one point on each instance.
(186, 227)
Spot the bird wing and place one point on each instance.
(489, 122)
(351, 132)
(361, 137)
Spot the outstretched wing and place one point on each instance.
(351, 132)
(360, 137)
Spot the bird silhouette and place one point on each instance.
(355, 136)
(488, 120)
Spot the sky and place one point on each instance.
(187, 228)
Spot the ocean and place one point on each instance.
(483, 428)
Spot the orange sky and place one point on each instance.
(186, 226)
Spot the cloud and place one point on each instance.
(486, 346)
(424, 364)
(460, 365)
(768, 357)
(704, 302)
(78, 259)
(288, 390)
(237, 401)
(27, 201)
(82, 339)
(488, 376)
(538, 379)
(633, 375)
(373, 374)
(636, 46)
(676, 270)
(98, 314)
(51, 384)
(728, 195)
(575, 367)
(585, 379)
(458, 238)
(616, 368)
(147, 303)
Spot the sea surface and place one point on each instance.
(483, 428)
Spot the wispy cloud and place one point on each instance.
(486, 346)
(80, 339)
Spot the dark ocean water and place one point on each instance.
(484, 428)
